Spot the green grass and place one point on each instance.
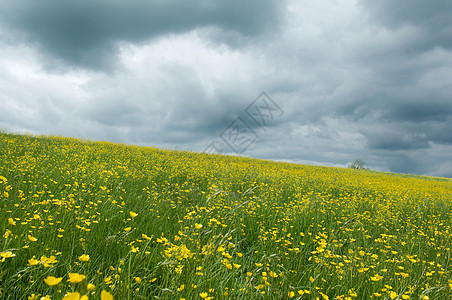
(212, 226)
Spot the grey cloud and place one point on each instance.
(440, 132)
(419, 111)
(433, 14)
(389, 108)
(85, 33)
(431, 17)
(400, 118)
(171, 103)
(403, 161)
(396, 140)
(113, 113)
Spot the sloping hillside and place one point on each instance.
(109, 220)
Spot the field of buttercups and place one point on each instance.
(96, 220)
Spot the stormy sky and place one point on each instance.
(320, 82)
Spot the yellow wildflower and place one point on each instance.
(144, 236)
(33, 261)
(377, 277)
(104, 295)
(7, 233)
(32, 238)
(75, 277)
(7, 254)
(51, 280)
(84, 257)
(74, 296)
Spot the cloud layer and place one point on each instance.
(85, 33)
(360, 79)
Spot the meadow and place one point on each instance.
(96, 220)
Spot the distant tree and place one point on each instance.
(358, 165)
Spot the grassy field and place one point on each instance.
(100, 220)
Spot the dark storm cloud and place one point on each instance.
(402, 124)
(433, 14)
(396, 141)
(419, 111)
(399, 99)
(85, 33)
(433, 17)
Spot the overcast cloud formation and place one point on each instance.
(354, 79)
